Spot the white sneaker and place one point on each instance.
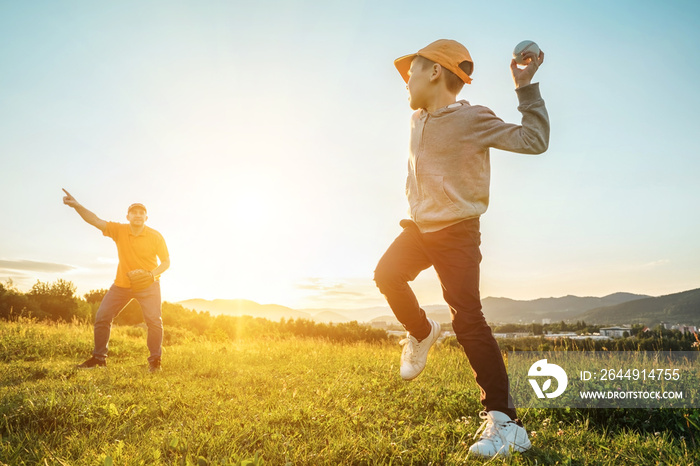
(501, 436)
(415, 353)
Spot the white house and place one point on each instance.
(615, 332)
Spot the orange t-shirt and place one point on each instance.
(135, 252)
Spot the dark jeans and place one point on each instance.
(454, 252)
(114, 301)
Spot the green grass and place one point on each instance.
(279, 401)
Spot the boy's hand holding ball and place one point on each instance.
(524, 52)
(528, 55)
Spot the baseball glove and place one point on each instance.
(140, 279)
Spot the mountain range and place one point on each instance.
(614, 309)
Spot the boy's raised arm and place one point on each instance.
(87, 215)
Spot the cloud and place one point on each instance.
(327, 288)
(349, 293)
(655, 264)
(331, 293)
(316, 284)
(35, 266)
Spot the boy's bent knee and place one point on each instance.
(384, 277)
(390, 281)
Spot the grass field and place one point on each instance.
(278, 401)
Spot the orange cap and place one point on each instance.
(136, 205)
(445, 52)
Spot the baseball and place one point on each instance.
(524, 47)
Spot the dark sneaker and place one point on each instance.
(92, 363)
(154, 366)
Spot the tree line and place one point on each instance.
(58, 302)
(639, 338)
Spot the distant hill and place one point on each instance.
(617, 308)
(361, 314)
(330, 317)
(240, 307)
(564, 308)
(677, 308)
(387, 318)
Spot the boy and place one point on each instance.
(448, 190)
(139, 248)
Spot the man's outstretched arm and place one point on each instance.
(88, 216)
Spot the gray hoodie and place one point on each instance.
(449, 169)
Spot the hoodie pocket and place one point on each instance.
(436, 205)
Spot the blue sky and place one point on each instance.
(269, 142)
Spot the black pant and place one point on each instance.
(454, 252)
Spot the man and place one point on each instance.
(139, 248)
